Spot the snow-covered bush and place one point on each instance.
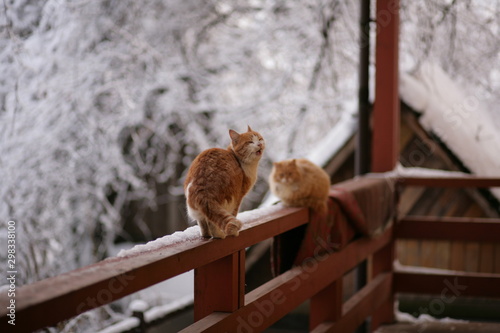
(101, 100)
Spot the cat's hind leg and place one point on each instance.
(204, 229)
(215, 231)
(223, 223)
(201, 220)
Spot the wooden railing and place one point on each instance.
(221, 304)
(448, 285)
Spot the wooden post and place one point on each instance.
(220, 285)
(383, 262)
(386, 122)
(385, 140)
(326, 305)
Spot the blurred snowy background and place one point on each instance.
(104, 103)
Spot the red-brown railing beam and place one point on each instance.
(449, 228)
(326, 305)
(52, 300)
(360, 306)
(452, 182)
(382, 262)
(448, 285)
(274, 299)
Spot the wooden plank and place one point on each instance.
(382, 262)
(462, 181)
(274, 299)
(218, 285)
(408, 252)
(486, 258)
(326, 305)
(426, 201)
(427, 253)
(442, 254)
(360, 306)
(401, 253)
(448, 284)
(457, 261)
(471, 257)
(386, 113)
(496, 265)
(54, 299)
(449, 228)
(408, 198)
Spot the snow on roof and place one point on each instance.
(401, 171)
(458, 118)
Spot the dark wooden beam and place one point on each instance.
(360, 305)
(448, 285)
(274, 299)
(461, 181)
(52, 300)
(326, 305)
(449, 228)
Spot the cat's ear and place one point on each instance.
(249, 129)
(294, 162)
(234, 135)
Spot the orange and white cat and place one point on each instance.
(217, 181)
(300, 183)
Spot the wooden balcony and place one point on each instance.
(221, 304)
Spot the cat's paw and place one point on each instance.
(216, 232)
(233, 228)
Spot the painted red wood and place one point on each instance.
(382, 262)
(64, 296)
(449, 228)
(464, 181)
(385, 139)
(218, 285)
(274, 299)
(447, 284)
(360, 306)
(326, 305)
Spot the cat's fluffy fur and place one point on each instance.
(217, 181)
(300, 183)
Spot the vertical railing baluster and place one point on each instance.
(219, 285)
(326, 305)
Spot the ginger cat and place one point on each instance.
(217, 181)
(299, 182)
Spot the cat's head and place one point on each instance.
(286, 172)
(248, 146)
